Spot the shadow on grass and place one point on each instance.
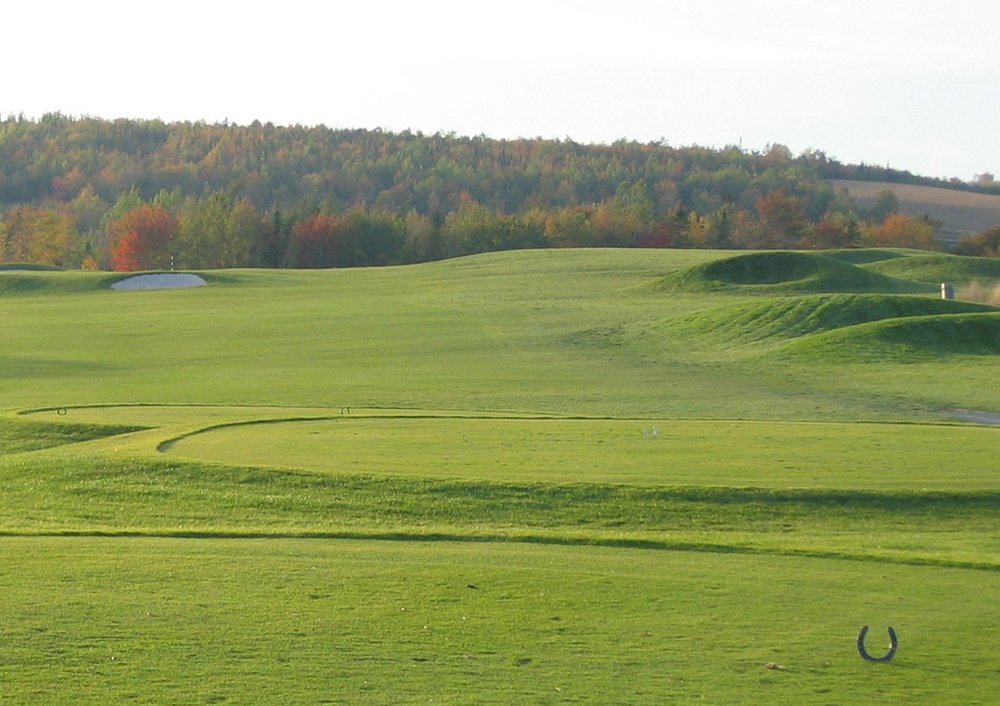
(540, 539)
(144, 497)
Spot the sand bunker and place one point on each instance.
(979, 417)
(166, 280)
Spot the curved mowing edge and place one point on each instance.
(165, 445)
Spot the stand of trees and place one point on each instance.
(84, 192)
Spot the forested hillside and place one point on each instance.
(143, 194)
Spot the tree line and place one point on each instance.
(144, 194)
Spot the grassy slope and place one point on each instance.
(575, 333)
(431, 336)
(941, 268)
(19, 436)
(503, 332)
(783, 273)
(558, 332)
(791, 317)
(915, 338)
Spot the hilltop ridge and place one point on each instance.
(144, 194)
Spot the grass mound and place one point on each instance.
(908, 339)
(777, 272)
(939, 268)
(791, 317)
(17, 280)
(863, 256)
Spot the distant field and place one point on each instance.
(537, 477)
(962, 212)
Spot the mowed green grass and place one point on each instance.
(574, 332)
(491, 332)
(352, 449)
(645, 452)
(156, 621)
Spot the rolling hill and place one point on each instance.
(962, 212)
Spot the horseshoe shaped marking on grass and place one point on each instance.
(893, 644)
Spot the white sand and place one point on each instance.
(166, 280)
(979, 417)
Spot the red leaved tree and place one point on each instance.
(142, 239)
(783, 218)
(319, 241)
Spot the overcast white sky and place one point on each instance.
(913, 84)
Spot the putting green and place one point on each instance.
(648, 452)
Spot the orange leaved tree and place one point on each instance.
(142, 239)
(319, 241)
(899, 231)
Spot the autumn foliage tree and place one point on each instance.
(985, 244)
(783, 219)
(899, 231)
(318, 242)
(142, 238)
(36, 235)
